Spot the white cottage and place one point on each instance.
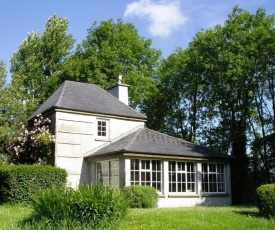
(100, 138)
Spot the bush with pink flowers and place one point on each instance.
(31, 145)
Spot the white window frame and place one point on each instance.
(107, 127)
(139, 174)
(214, 178)
(108, 176)
(184, 179)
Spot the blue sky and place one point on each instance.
(170, 24)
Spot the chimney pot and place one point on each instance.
(119, 79)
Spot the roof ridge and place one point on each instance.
(131, 142)
(63, 88)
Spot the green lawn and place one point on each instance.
(176, 218)
(11, 214)
(197, 218)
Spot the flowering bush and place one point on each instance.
(32, 146)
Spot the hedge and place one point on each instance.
(18, 183)
(265, 197)
(141, 196)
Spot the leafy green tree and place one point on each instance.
(3, 121)
(262, 121)
(111, 49)
(231, 56)
(35, 67)
(213, 88)
(11, 110)
(181, 94)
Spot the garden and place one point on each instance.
(35, 197)
(233, 217)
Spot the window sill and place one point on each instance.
(182, 195)
(101, 139)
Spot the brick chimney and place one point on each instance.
(120, 90)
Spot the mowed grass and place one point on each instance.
(10, 215)
(232, 217)
(197, 218)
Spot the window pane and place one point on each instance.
(148, 176)
(142, 176)
(181, 166)
(172, 166)
(134, 164)
(154, 165)
(204, 167)
(158, 176)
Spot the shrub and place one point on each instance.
(18, 183)
(33, 145)
(265, 196)
(99, 203)
(141, 196)
(91, 206)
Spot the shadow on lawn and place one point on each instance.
(251, 213)
(248, 213)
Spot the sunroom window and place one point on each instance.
(182, 176)
(146, 172)
(108, 172)
(213, 177)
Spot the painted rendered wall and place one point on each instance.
(76, 134)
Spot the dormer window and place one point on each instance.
(103, 128)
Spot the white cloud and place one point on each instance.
(164, 16)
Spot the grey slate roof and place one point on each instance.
(147, 141)
(86, 98)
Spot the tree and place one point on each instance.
(35, 67)
(213, 89)
(3, 121)
(232, 59)
(262, 121)
(111, 49)
(181, 94)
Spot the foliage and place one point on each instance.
(35, 66)
(19, 183)
(231, 217)
(91, 206)
(111, 49)
(219, 92)
(141, 196)
(11, 111)
(3, 120)
(265, 195)
(32, 146)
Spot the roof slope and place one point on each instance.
(86, 98)
(147, 141)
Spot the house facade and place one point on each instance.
(100, 138)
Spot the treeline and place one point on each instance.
(218, 92)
